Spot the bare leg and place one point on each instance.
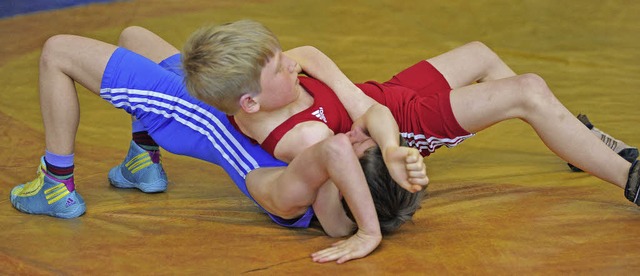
(146, 43)
(475, 62)
(472, 62)
(65, 59)
(527, 97)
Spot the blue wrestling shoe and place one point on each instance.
(46, 195)
(140, 169)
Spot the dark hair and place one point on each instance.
(394, 205)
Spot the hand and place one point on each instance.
(357, 246)
(406, 167)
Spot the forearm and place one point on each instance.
(330, 213)
(404, 164)
(382, 126)
(344, 170)
(358, 197)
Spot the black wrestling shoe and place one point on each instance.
(633, 182)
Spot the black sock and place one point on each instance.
(145, 141)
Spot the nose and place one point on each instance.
(353, 138)
(292, 65)
(350, 134)
(295, 67)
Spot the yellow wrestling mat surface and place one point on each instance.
(500, 203)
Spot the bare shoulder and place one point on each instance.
(300, 137)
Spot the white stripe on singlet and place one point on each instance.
(430, 144)
(212, 123)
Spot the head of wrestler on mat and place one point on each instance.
(240, 69)
(394, 205)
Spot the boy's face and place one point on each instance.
(360, 141)
(279, 82)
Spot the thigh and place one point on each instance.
(82, 59)
(470, 63)
(146, 43)
(481, 105)
(422, 77)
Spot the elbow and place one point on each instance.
(341, 232)
(377, 107)
(337, 148)
(309, 48)
(310, 52)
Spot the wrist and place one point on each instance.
(373, 235)
(388, 151)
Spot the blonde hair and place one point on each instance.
(221, 63)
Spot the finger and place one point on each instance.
(330, 256)
(324, 252)
(323, 256)
(335, 246)
(417, 174)
(406, 185)
(415, 167)
(416, 188)
(422, 182)
(344, 259)
(411, 158)
(413, 155)
(410, 187)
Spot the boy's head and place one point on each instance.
(224, 62)
(394, 205)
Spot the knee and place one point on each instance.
(479, 47)
(129, 35)
(482, 50)
(53, 50)
(534, 91)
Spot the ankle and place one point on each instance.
(142, 139)
(59, 166)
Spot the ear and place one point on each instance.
(248, 104)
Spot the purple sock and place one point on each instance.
(141, 137)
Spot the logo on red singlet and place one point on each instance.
(320, 114)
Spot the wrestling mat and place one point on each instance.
(500, 203)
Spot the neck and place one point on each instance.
(258, 125)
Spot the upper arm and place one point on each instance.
(318, 65)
